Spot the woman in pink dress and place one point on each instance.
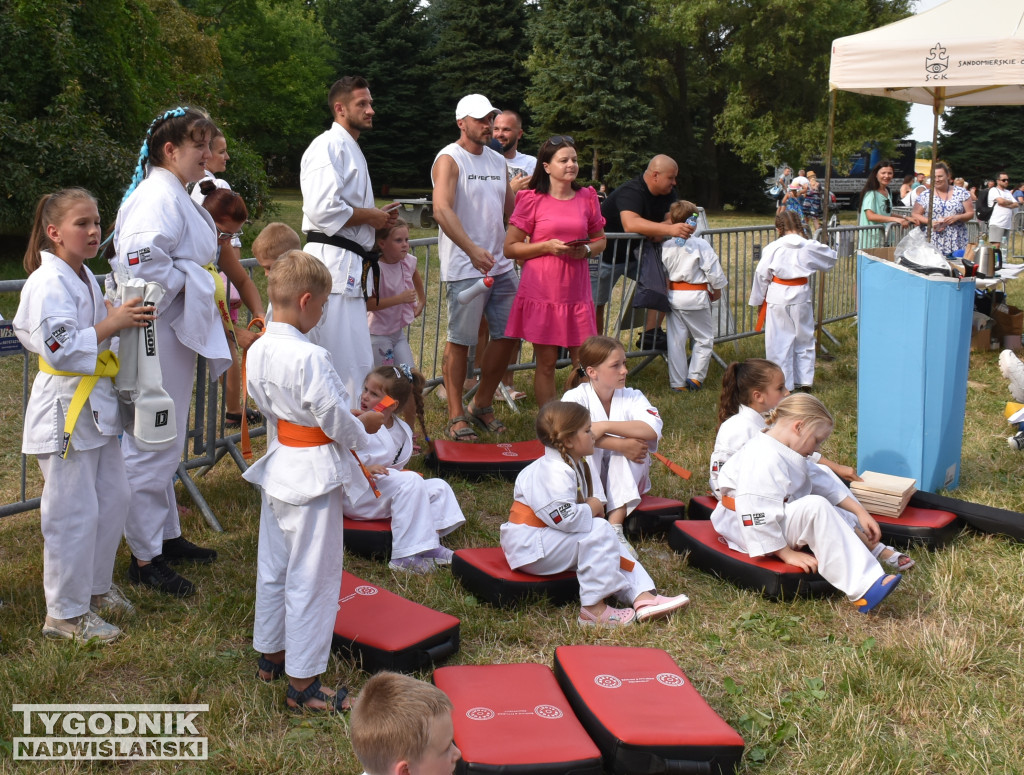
(555, 228)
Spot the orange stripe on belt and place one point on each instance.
(681, 286)
(763, 312)
(521, 514)
(292, 435)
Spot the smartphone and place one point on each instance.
(392, 206)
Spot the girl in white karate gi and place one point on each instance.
(161, 235)
(626, 427)
(554, 527)
(771, 504)
(70, 425)
(422, 511)
(781, 288)
(749, 391)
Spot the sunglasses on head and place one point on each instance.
(557, 140)
(228, 234)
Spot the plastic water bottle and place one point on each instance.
(475, 290)
(691, 221)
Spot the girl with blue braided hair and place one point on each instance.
(422, 511)
(162, 236)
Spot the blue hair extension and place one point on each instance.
(140, 168)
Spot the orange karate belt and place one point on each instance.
(729, 502)
(521, 514)
(681, 286)
(292, 435)
(764, 304)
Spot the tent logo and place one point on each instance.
(937, 60)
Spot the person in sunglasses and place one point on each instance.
(876, 205)
(555, 228)
(1002, 202)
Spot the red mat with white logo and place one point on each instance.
(643, 712)
(384, 631)
(515, 719)
(475, 461)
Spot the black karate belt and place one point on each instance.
(371, 258)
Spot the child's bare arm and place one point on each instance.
(407, 296)
(421, 293)
(633, 429)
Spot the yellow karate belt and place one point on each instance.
(107, 365)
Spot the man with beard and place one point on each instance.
(471, 199)
(340, 219)
(508, 131)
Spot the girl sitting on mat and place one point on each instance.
(553, 525)
(781, 289)
(421, 510)
(626, 427)
(772, 505)
(750, 390)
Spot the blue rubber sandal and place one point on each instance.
(878, 591)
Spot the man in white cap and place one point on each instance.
(472, 199)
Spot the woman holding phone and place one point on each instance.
(555, 228)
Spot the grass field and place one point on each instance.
(931, 684)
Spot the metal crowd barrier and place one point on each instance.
(739, 249)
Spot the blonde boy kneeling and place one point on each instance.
(401, 726)
(307, 466)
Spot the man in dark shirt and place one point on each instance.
(639, 206)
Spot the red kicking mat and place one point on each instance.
(923, 527)
(643, 713)
(701, 507)
(914, 527)
(368, 537)
(485, 573)
(476, 461)
(384, 631)
(654, 516)
(513, 719)
(770, 576)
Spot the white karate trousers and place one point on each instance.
(82, 510)
(153, 514)
(682, 324)
(789, 341)
(343, 332)
(421, 511)
(843, 560)
(595, 558)
(624, 481)
(298, 581)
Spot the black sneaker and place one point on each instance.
(652, 339)
(159, 575)
(180, 549)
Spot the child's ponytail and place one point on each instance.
(740, 381)
(49, 210)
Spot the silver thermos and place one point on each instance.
(986, 261)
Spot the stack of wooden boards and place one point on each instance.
(884, 494)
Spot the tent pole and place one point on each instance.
(826, 200)
(936, 110)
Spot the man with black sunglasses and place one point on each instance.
(639, 206)
(1003, 204)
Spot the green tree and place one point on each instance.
(749, 79)
(586, 78)
(480, 47)
(979, 141)
(78, 85)
(273, 92)
(388, 42)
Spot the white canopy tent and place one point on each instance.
(963, 52)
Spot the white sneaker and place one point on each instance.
(113, 601)
(621, 535)
(82, 628)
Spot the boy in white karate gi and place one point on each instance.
(307, 465)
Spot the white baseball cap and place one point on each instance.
(475, 105)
